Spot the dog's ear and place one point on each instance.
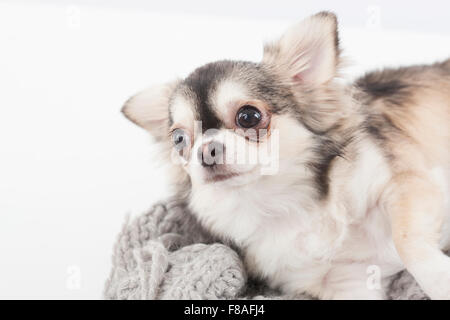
(149, 109)
(308, 53)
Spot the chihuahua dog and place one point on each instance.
(360, 185)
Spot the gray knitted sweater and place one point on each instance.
(165, 254)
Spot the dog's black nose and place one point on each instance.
(211, 153)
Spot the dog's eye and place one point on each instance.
(180, 138)
(248, 117)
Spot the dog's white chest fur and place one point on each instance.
(297, 244)
(296, 250)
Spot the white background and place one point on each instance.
(71, 167)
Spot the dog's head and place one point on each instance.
(231, 123)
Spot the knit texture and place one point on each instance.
(165, 254)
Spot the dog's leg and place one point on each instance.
(352, 281)
(415, 208)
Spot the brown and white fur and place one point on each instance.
(363, 173)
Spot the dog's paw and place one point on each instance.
(436, 280)
(439, 288)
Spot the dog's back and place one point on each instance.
(408, 112)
